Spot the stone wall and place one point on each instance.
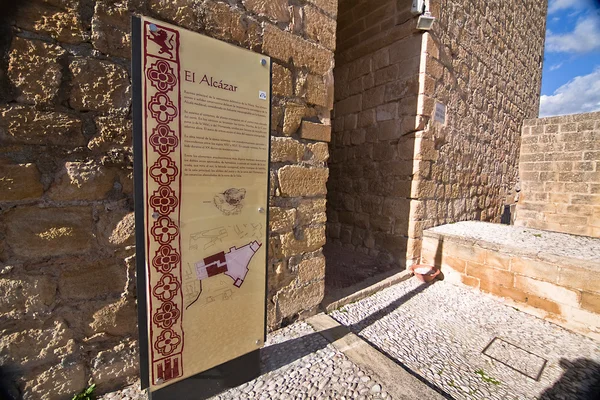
(67, 277)
(376, 87)
(560, 174)
(483, 61)
(394, 170)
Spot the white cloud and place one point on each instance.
(584, 38)
(557, 5)
(556, 66)
(580, 95)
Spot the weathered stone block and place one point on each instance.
(454, 263)
(34, 69)
(467, 253)
(57, 383)
(95, 279)
(470, 281)
(99, 86)
(32, 347)
(276, 10)
(281, 220)
(373, 97)
(588, 319)
(116, 367)
(534, 269)
(113, 133)
(286, 150)
(547, 290)
(498, 260)
(62, 25)
(292, 118)
(227, 23)
(311, 270)
(110, 29)
(307, 240)
(396, 208)
(590, 302)
(319, 90)
(34, 232)
(274, 249)
(312, 131)
(31, 294)
(489, 275)
(580, 279)
(312, 212)
(543, 304)
(282, 81)
(115, 319)
(20, 182)
(319, 27)
(320, 151)
(286, 47)
(296, 299)
(82, 181)
(116, 225)
(296, 181)
(21, 124)
(381, 223)
(349, 105)
(182, 12)
(329, 6)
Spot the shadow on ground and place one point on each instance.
(277, 355)
(580, 380)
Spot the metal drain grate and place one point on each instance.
(516, 358)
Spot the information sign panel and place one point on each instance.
(201, 132)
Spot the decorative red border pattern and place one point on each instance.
(161, 81)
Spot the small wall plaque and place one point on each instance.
(440, 113)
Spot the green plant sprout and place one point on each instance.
(86, 394)
(486, 378)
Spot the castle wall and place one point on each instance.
(67, 251)
(560, 174)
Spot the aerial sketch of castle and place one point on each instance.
(231, 201)
(234, 263)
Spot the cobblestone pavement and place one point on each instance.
(440, 331)
(301, 364)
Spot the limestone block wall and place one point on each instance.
(525, 267)
(376, 88)
(560, 174)
(67, 277)
(483, 61)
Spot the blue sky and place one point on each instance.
(571, 76)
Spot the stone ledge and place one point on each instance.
(573, 251)
(554, 274)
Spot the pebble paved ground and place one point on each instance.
(301, 364)
(440, 330)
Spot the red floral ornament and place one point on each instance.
(161, 76)
(163, 140)
(166, 259)
(164, 171)
(167, 342)
(166, 288)
(167, 315)
(163, 200)
(164, 230)
(162, 108)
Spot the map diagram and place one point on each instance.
(234, 263)
(231, 201)
(209, 238)
(223, 266)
